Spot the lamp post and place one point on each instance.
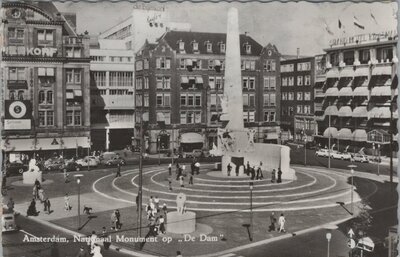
(328, 237)
(158, 149)
(379, 157)
(352, 187)
(338, 142)
(305, 147)
(329, 143)
(78, 182)
(251, 210)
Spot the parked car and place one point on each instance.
(341, 156)
(15, 168)
(322, 153)
(54, 164)
(8, 221)
(115, 161)
(360, 158)
(91, 161)
(70, 165)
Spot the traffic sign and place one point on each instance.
(351, 243)
(351, 233)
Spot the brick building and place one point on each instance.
(45, 73)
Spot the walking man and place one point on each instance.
(181, 181)
(118, 170)
(169, 184)
(272, 219)
(229, 168)
(281, 223)
(279, 175)
(67, 205)
(273, 176)
(191, 179)
(170, 169)
(248, 168)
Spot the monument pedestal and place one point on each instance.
(179, 223)
(29, 177)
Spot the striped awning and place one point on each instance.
(333, 91)
(382, 70)
(359, 135)
(361, 91)
(347, 72)
(331, 132)
(360, 112)
(373, 113)
(319, 84)
(345, 111)
(345, 134)
(379, 113)
(381, 91)
(361, 72)
(332, 73)
(184, 80)
(331, 110)
(346, 91)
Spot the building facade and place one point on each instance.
(179, 81)
(297, 92)
(359, 94)
(45, 73)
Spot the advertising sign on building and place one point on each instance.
(18, 115)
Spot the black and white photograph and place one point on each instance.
(199, 129)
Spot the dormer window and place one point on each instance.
(181, 46)
(209, 47)
(195, 46)
(248, 48)
(222, 48)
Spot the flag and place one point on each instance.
(357, 23)
(328, 29)
(373, 17)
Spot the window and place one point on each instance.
(284, 82)
(195, 46)
(219, 83)
(163, 100)
(159, 100)
(46, 75)
(73, 52)
(291, 81)
(248, 65)
(307, 96)
(16, 73)
(291, 96)
(272, 83)
(98, 58)
(146, 64)
(163, 63)
(222, 48)
(77, 118)
(190, 100)
(16, 34)
(163, 82)
(307, 109)
(189, 117)
(146, 100)
(183, 118)
(266, 82)
(181, 46)
(252, 83)
(210, 64)
(99, 78)
(50, 118)
(182, 63)
(299, 80)
(304, 66)
(209, 47)
(266, 116)
(213, 100)
(146, 82)
(46, 118)
(245, 83)
(139, 83)
(364, 56)
(183, 100)
(299, 109)
(272, 99)
(299, 96)
(45, 36)
(139, 65)
(73, 76)
(248, 49)
(42, 118)
(287, 68)
(284, 95)
(121, 79)
(252, 100)
(245, 100)
(272, 116)
(252, 116)
(198, 100)
(307, 80)
(21, 95)
(270, 65)
(211, 83)
(49, 97)
(42, 97)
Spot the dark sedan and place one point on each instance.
(15, 168)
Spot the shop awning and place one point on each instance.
(332, 73)
(347, 72)
(333, 91)
(373, 113)
(382, 70)
(359, 135)
(346, 91)
(184, 80)
(379, 113)
(330, 132)
(188, 62)
(360, 112)
(331, 110)
(396, 114)
(199, 80)
(381, 91)
(53, 143)
(345, 134)
(345, 111)
(361, 72)
(361, 91)
(191, 137)
(319, 84)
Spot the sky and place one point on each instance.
(287, 25)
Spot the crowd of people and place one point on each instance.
(38, 194)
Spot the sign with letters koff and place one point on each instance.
(364, 38)
(30, 51)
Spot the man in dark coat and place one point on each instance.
(279, 180)
(229, 168)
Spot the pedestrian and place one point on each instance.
(96, 251)
(66, 176)
(259, 173)
(279, 180)
(177, 168)
(118, 171)
(47, 205)
(178, 254)
(248, 168)
(191, 179)
(113, 220)
(161, 224)
(179, 173)
(10, 205)
(92, 240)
(273, 176)
(151, 200)
(34, 192)
(118, 223)
(165, 209)
(281, 223)
(157, 203)
(197, 165)
(184, 170)
(32, 209)
(272, 220)
(237, 170)
(181, 181)
(192, 167)
(229, 169)
(253, 172)
(67, 205)
(82, 252)
(170, 169)
(169, 184)
(41, 194)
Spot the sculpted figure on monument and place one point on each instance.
(180, 203)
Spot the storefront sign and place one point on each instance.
(17, 84)
(364, 38)
(32, 51)
(18, 115)
(17, 124)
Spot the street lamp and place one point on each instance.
(379, 156)
(78, 181)
(328, 237)
(338, 142)
(352, 186)
(305, 148)
(158, 149)
(251, 210)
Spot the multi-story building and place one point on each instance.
(297, 92)
(45, 72)
(112, 70)
(179, 82)
(112, 99)
(360, 92)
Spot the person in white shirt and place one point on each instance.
(281, 222)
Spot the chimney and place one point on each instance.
(298, 53)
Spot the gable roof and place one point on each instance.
(188, 37)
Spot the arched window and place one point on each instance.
(49, 97)
(12, 95)
(21, 95)
(42, 97)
